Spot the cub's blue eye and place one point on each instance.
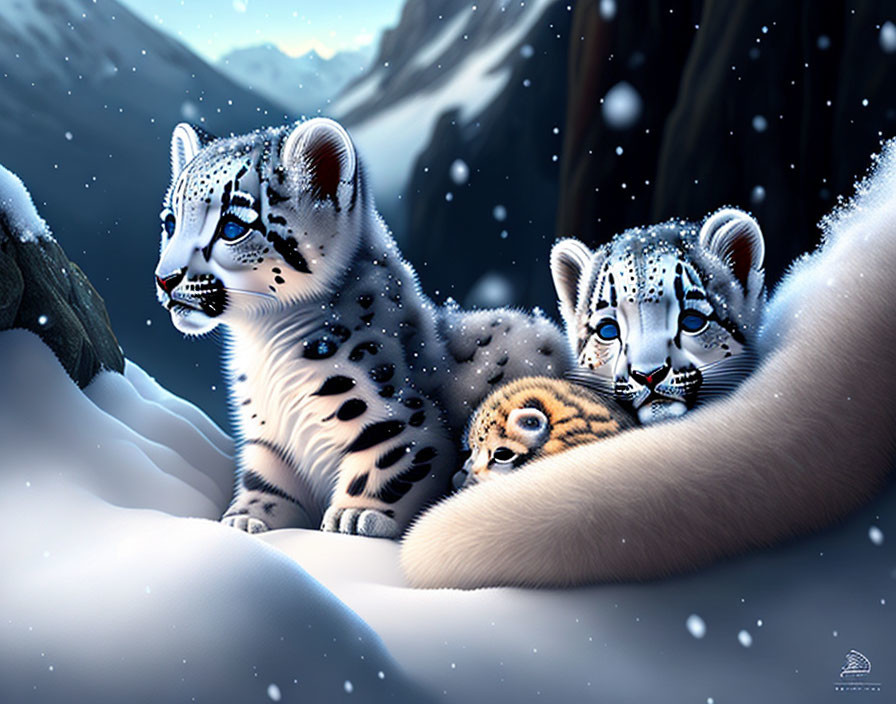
(608, 330)
(693, 322)
(232, 230)
(169, 225)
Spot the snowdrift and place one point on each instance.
(115, 588)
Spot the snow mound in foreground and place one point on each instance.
(111, 593)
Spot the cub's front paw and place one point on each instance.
(360, 521)
(243, 521)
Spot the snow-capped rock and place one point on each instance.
(42, 291)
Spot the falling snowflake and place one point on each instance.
(622, 106)
(608, 9)
(888, 37)
(696, 626)
(460, 172)
(757, 195)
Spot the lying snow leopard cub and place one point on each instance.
(349, 387)
(664, 317)
(531, 418)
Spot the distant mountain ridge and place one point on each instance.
(303, 84)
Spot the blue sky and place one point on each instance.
(214, 27)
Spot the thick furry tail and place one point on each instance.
(807, 439)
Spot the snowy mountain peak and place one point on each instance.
(304, 84)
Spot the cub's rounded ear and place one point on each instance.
(735, 238)
(320, 152)
(569, 259)
(186, 141)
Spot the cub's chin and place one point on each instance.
(190, 321)
(660, 409)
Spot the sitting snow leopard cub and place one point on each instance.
(349, 388)
(664, 317)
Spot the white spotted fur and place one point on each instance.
(296, 461)
(804, 441)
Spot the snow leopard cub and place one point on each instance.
(349, 388)
(664, 317)
(532, 418)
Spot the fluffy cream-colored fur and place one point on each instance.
(807, 439)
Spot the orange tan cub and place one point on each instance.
(532, 418)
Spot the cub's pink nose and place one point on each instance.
(170, 282)
(651, 379)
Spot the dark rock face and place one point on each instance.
(42, 291)
(509, 150)
(647, 48)
(763, 94)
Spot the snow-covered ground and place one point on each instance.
(777, 625)
(116, 589)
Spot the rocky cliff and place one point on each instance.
(42, 291)
(768, 106)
